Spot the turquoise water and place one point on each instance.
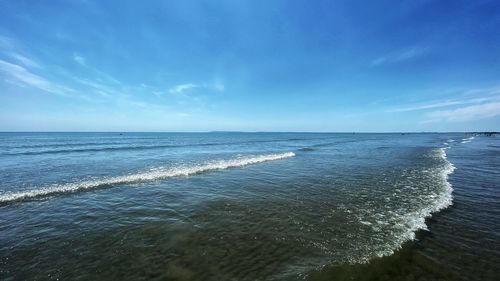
(248, 206)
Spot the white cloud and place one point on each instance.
(438, 104)
(79, 59)
(6, 42)
(471, 96)
(468, 113)
(400, 56)
(97, 87)
(101, 75)
(428, 106)
(20, 74)
(9, 47)
(379, 61)
(24, 60)
(219, 86)
(180, 89)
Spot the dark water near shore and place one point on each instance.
(259, 206)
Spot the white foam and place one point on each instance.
(467, 140)
(443, 201)
(411, 222)
(145, 176)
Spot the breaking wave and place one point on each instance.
(467, 140)
(158, 174)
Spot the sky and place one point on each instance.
(297, 65)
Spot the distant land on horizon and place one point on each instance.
(256, 132)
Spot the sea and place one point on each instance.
(249, 206)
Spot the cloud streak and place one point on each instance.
(79, 59)
(474, 96)
(6, 42)
(22, 75)
(467, 113)
(439, 104)
(185, 88)
(24, 60)
(399, 57)
(182, 88)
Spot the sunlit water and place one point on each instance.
(236, 206)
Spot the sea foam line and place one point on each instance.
(417, 220)
(446, 198)
(144, 176)
(467, 140)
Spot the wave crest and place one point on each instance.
(143, 176)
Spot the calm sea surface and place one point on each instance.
(249, 206)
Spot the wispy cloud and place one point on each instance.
(182, 88)
(79, 59)
(11, 48)
(400, 56)
(219, 85)
(96, 72)
(99, 88)
(22, 75)
(6, 42)
(467, 113)
(439, 104)
(92, 84)
(468, 105)
(429, 105)
(475, 96)
(24, 60)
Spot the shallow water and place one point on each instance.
(256, 206)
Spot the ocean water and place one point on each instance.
(249, 206)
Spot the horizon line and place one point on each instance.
(253, 132)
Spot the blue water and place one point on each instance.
(247, 206)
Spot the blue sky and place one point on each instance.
(249, 65)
